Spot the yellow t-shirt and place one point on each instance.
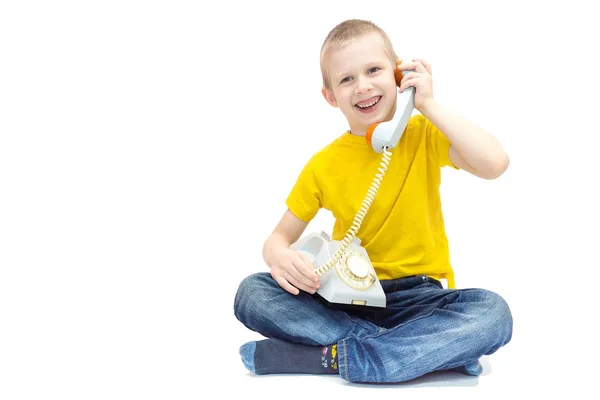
(403, 232)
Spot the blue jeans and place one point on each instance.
(424, 327)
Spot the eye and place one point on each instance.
(346, 79)
(373, 70)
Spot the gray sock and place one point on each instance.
(274, 356)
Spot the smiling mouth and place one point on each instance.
(367, 104)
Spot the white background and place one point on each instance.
(146, 150)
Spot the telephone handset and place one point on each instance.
(355, 281)
(385, 135)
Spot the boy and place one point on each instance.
(424, 327)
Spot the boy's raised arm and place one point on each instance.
(472, 148)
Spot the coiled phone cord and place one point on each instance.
(360, 215)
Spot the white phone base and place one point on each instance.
(350, 281)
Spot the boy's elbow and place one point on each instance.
(498, 167)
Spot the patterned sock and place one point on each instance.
(274, 356)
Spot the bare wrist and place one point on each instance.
(428, 107)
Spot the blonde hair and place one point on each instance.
(347, 31)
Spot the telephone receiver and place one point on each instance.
(353, 280)
(387, 134)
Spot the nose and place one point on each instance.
(362, 85)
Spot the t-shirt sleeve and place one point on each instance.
(438, 144)
(305, 198)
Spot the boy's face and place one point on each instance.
(362, 81)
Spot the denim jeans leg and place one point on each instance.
(459, 327)
(263, 306)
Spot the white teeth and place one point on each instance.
(369, 105)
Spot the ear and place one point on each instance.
(398, 74)
(328, 94)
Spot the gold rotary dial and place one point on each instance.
(355, 270)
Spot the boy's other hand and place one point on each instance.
(292, 270)
(420, 78)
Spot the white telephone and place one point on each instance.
(354, 280)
